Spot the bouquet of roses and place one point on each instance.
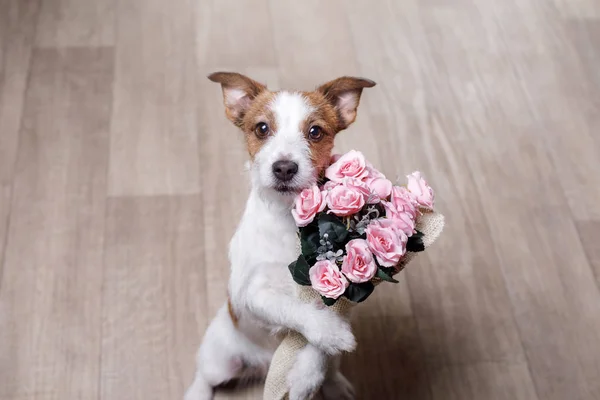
(356, 229)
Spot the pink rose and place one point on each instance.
(373, 172)
(343, 200)
(334, 158)
(362, 188)
(308, 203)
(404, 221)
(420, 190)
(404, 201)
(387, 241)
(326, 278)
(330, 185)
(382, 187)
(377, 182)
(350, 165)
(359, 265)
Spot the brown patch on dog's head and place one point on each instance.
(258, 112)
(335, 104)
(238, 93)
(325, 118)
(246, 105)
(344, 94)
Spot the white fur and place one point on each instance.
(260, 287)
(288, 143)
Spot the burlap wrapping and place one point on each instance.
(430, 223)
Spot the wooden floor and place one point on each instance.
(121, 183)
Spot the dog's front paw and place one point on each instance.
(330, 333)
(307, 373)
(199, 390)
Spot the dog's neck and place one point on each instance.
(266, 233)
(267, 201)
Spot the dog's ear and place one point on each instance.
(238, 93)
(344, 94)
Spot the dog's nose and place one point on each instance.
(284, 170)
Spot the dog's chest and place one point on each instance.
(265, 245)
(265, 236)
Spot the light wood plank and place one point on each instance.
(65, 23)
(574, 106)
(50, 293)
(545, 295)
(584, 35)
(153, 140)
(234, 33)
(388, 362)
(527, 219)
(5, 199)
(313, 42)
(589, 232)
(488, 380)
(563, 89)
(17, 30)
(154, 303)
(581, 9)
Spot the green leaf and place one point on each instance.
(328, 301)
(299, 270)
(358, 292)
(334, 227)
(309, 241)
(415, 243)
(385, 274)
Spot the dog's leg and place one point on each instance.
(308, 373)
(313, 369)
(215, 363)
(320, 326)
(225, 355)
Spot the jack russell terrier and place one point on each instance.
(289, 136)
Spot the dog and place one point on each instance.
(290, 138)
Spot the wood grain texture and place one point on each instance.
(121, 183)
(65, 23)
(153, 134)
(309, 52)
(487, 380)
(154, 304)
(550, 288)
(5, 200)
(236, 34)
(52, 277)
(390, 348)
(17, 31)
(588, 234)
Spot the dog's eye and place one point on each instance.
(261, 130)
(315, 133)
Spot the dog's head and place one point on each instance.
(289, 134)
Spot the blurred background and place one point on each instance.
(121, 183)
